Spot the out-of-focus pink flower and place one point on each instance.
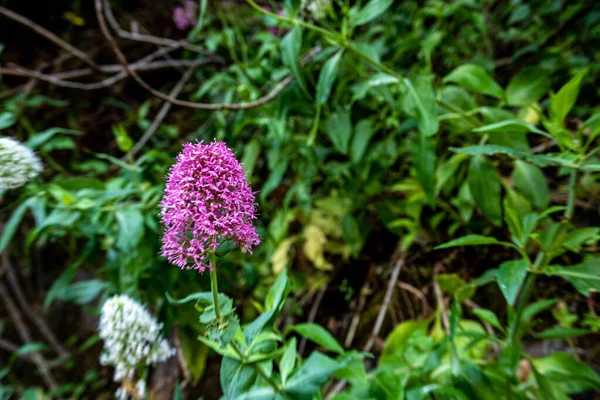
(207, 200)
(275, 30)
(185, 16)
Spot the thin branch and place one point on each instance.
(162, 113)
(201, 106)
(362, 301)
(386, 301)
(15, 316)
(48, 35)
(313, 313)
(440, 298)
(12, 348)
(29, 311)
(58, 79)
(417, 293)
(139, 37)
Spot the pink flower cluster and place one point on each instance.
(207, 200)
(185, 16)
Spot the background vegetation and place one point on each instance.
(427, 173)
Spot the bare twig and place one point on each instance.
(440, 299)
(28, 309)
(59, 78)
(48, 35)
(15, 316)
(13, 349)
(313, 313)
(386, 301)
(362, 300)
(138, 37)
(160, 116)
(201, 106)
(417, 293)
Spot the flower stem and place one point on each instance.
(258, 368)
(214, 285)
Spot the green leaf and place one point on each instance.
(306, 382)
(573, 375)
(424, 159)
(83, 292)
(561, 332)
(577, 237)
(531, 181)
(291, 45)
(339, 131)
(236, 378)
(372, 10)
(288, 360)
(274, 179)
(327, 77)
(527, 87)
(363, 132)
(484, 183)
(319, 335)
(38, 139)
(537, 307)
(566, 159)
(131, 228)
(562, 102)
(511, 276)
(13, 223)
(7, 119)
(489, 317)
(419, 103)
(194, 297)
(471, 240)
(398, 338)
(585, 277)
(474, 78)
(511, 126)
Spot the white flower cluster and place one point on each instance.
(131, 337)
(317, 8)
(18, 164)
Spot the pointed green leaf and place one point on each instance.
(327, 77)
(511, 276)
(485, 186)
(474, 78)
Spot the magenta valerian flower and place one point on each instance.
(207, 201)
(185, 16)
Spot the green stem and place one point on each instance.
(214, 285)
(215, 291)
(539, 261)
(259, 369)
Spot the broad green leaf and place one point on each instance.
(566, 159)
(83, 292)
(471, 240)
(485, 186)
(474, 78)
(327, 77)
(398, 338)
(577, 237)
(511, 126)
(386, 385)
(531, 181)
(424, 158)
(585, 277)
(363, 132)
(13, 222)
(424, 392)
(288, 360)
(339, 131)
(131, 228)
(527, 87)
(306, 382)
(561, 332)
(562, 102)
(7, 119)
(419, 103)
(378, 79)
(251, 153)
(319, 335)
(290, 53)
(372, 10)
(511, 276)
(236, 378)
(38, 139)
(274, 179)
(537, 307)
(489, 317)
(573, 375)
